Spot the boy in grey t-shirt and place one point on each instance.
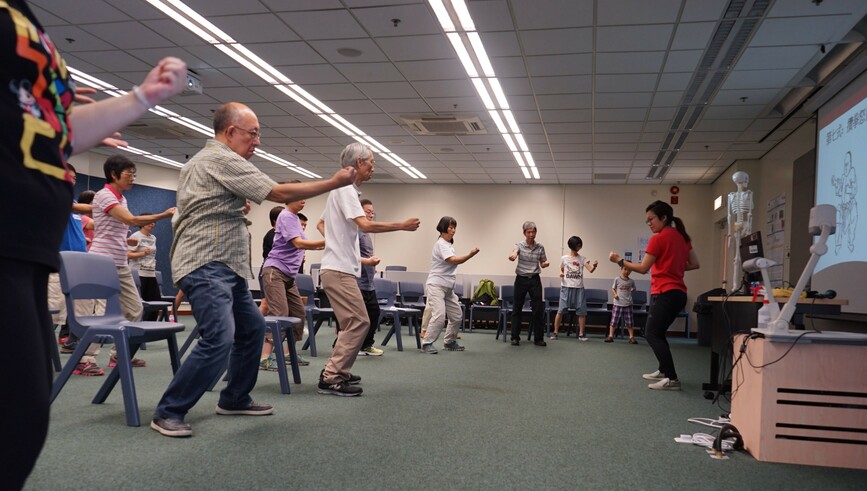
(623, 287)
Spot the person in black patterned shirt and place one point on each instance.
(36, 111)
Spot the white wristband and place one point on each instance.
(141, 98)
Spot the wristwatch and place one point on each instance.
(620, 263)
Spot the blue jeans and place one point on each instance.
(231, 327)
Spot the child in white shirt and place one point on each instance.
(572, 286)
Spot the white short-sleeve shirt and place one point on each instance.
(341, 232)
(442, 272)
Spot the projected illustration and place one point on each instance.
(846, 189)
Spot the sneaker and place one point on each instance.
(268, 364)
(371, 351)
(353, 379)
(657, 375)
(88, 369)
(302, 362)
(540, 342)
(68, 347)
(339, 388)
(665, 384)
(252, 409)
(516, 342)
(171, 427)
(136, 362)
(63, 340)
(453, 346)
(632, 341)
(582, 337)
(609, 339)
(429, 349)
(553, 337)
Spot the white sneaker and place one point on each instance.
(665, 384)
(657, 375)
(582, 338)
(371, 351)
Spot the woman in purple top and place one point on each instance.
(278, 277)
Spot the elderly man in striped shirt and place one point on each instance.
(211, 264)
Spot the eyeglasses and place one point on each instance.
(650, 219)
(256, 134)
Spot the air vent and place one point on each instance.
(445, 125)
(609, 177)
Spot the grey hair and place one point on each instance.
(352, 152)
(529, 225)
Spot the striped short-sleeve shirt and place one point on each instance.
(210, 225)
(529, 258)
(109, 238)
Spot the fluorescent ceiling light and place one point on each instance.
(442, 15)
(481, 55)
(501, 127)
(535, 171)
(190, 19)
(483, 93)
(151, 156)
(463, 15)
(458, 25)
(513, 124)
(499, 94)
(463, 54)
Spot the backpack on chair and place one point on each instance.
(485, 293)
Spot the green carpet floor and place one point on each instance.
(572, 415)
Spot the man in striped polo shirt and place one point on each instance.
(531, 259)
(111, 220)
(211, 265)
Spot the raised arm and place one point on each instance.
(294, 191)
(122, 214)
(462, 259)
(369, 227)
(642, 268)
(308, 245)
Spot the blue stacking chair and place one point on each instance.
(507, 292)
(316, 315)
(160, 306)
(94, 277)
(551, 297)
(385, 293)
(411, 295)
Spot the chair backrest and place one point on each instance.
(385, 291)
(160, 282)
(639, 298)
(596, 297)
(552, 295)
(137, 280)
(304, 282)
(411, 291)
(395, 268)
(459, 290)
(507, 294)
(86, 276)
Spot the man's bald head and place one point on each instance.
(228, 114)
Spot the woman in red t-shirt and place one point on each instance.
(669, 254)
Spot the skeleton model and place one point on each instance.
(740, 221)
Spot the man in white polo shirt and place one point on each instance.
(341, 266)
